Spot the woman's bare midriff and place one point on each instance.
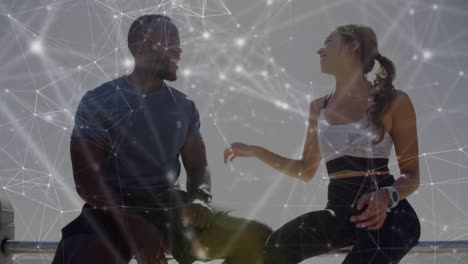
(349, 173)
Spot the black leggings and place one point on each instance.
(319, 232)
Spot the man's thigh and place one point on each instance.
(230, 236)
(90, 249)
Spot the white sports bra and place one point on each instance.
(351, 139)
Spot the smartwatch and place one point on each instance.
(393, 195)
(203, 195)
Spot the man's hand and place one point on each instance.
(375, 214)
(198, 214)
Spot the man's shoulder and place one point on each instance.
(180, 96)
(102, 91)
(107, 87)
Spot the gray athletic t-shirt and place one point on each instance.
(144, 132)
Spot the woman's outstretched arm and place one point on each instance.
(304, 168)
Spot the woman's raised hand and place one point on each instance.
(238, 149)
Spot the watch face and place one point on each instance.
(394, 196)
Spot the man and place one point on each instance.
(125, 148)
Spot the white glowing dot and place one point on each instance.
(415, 57)
(436, 83)
(411, 11)
(281, 105)
(460, 149)
(9, 15)
(48, 118)
(239, 68)
(287, 85)
(79, 67)
(435, 7)
(206, 35)
(222, 76)
(240, 42)
(461, 73)
(439, 109)
(221, 100)
(187, 72)
(50, 174)
(285, 205)
(269, 2)
(48, 8)
(427, 54)
(264, 74)
(36, 47)
(128, 63)
(115, 16)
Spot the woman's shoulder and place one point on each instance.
(400, 104)
(400, 98)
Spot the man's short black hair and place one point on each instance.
(141, 25)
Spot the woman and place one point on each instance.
(353, 129)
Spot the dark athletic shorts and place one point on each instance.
(163, 209)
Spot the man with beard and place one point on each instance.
(125, 148)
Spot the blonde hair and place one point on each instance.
(385, 75)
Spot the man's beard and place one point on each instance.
(163, 71)
(166, 74)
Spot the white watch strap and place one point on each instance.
(391, 191)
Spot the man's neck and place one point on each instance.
(146, 80)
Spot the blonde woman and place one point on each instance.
(353, 129)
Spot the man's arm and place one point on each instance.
(193, 154)
(87, 157)
(196, 165)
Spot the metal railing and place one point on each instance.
(11, 247)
